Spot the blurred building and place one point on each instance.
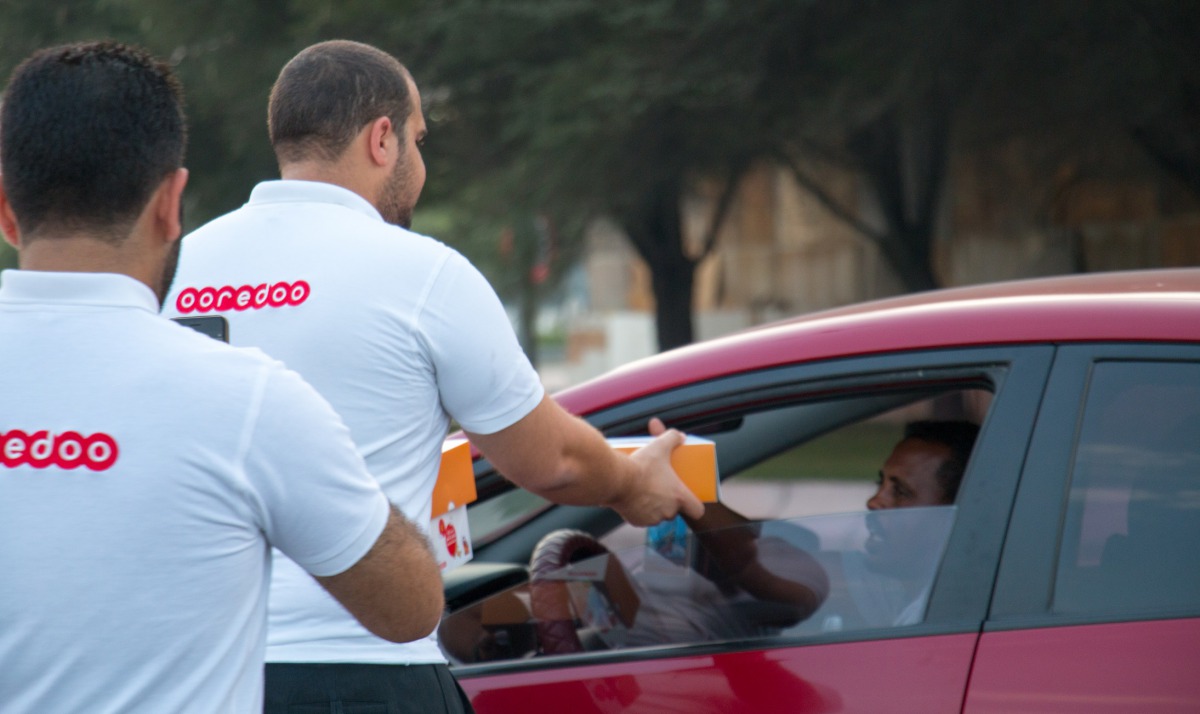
(1006, 213)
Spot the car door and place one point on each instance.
(1097, 606)
(917, 667)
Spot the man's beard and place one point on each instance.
(394, 204)
(170, 264)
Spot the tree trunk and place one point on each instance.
(673, 306)
(655, 228)
(902, 156)
(909, 255)
(528, 313)
(521, 257)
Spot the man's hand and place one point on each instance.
(564, 459)
(657, 493)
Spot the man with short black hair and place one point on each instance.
(401, 333)
(925, 468)
(145, 469)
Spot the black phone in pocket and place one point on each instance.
(215, 326)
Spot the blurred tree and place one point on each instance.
(578, 109)
(227, 53)
(28, 25)
(549, 112)
(875, 88)
(621, 108)
(1166, 118)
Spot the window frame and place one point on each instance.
(962, 590)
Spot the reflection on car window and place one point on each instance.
(871, 570)
(1132, 537)
(496, 516)
(800, 475)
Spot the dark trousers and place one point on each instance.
(363, 689)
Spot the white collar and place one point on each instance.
(90, 289)
(293, 191)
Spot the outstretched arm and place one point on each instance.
(731, 541)
(564, 459)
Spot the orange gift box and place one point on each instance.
(695, 461)
(455, 485)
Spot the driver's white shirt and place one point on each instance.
(145, 470)
(398, 331)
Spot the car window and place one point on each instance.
(675, 593)
(492, 518)
(1131, 541)
(834, 471)
(820, 469)
(799, 476)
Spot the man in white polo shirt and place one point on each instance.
(401, 334)
(145, 469)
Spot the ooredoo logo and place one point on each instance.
(247, 297)
(68, 450)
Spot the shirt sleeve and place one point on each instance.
(319, 505)
(484, 378)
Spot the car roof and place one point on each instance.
(1150, 305)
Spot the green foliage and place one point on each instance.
(587, 105)
(29, 25)
(572, 109)
(854, 453)
(8, 256)
(227, 54)
(549, 112)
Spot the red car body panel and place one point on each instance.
(1150, 306)
(1148, 667)
(917, 674)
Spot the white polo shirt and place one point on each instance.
(145, 470)
(398, 331)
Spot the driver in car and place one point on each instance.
(760, 577)
(740, 578)
(925, 469)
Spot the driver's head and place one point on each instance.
(926, 467)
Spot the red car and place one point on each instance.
(1064, 577)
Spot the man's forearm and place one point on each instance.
(563, 458)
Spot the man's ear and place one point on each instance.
(168, 205)
(378, 133)
(8, 220)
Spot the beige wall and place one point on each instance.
(1008, 212)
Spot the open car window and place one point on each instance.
(867, 571)
(798, 445)
(801, 473)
